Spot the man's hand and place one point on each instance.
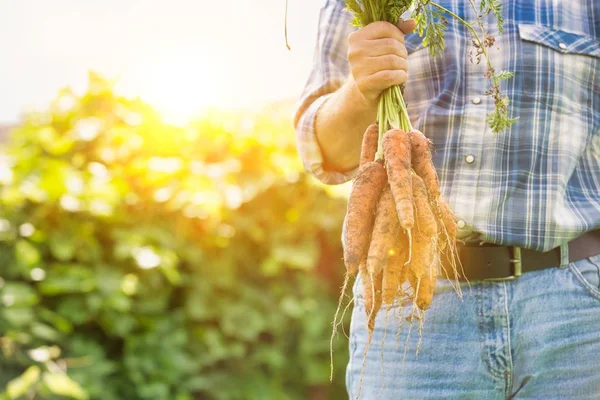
(377, 57)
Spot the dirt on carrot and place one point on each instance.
(369, 144)
(360, 214)
(396, 148)
(423, 164)
(372, 285)
(385, 231)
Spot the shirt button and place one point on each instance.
(562, 46)
(470, 159)
(461, 224)
(476, 100)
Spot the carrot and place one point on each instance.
(358, 223)
(372, 285)
(426, 222)
(424, 255)
(447, 238)
(391, 279)
(369, 144)
(394, 268)
(423, 164)
(448, 222)
(425, 238)
(385, 232)
(426, 286)
(360, 214)
(404, 268)
(396, 149)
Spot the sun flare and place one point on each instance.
(180, 86)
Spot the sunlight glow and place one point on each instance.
(169, 53)
(179, 85)
(146, 258)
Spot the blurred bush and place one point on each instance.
(145, 261)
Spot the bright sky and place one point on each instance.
(179, 55)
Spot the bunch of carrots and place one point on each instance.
(397, 224)
(398, 228)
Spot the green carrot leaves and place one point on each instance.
(432, 25)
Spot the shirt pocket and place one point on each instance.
(560, 69)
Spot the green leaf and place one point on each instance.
(68, 278)
(17, 294)
(504, 75)
(20, 385)
(62, 246)
(27, 254)
(18, 317)
(303, 256)
(56, 320)
(45, 332)
(62, 385)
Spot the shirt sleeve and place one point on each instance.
(329, 72)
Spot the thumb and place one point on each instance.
(406, 26)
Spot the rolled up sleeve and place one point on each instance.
(329, 72)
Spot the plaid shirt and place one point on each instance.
(536, 185)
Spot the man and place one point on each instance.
(527, 199)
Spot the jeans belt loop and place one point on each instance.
(517, 266)
(564, 254)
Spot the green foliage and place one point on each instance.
(147, 261)
(432, 24)
(503, 75)
(494, 7)
(368, 11)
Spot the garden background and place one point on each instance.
(156, 245)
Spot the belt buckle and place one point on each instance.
(516, 266)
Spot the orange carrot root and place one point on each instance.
(424, 243)
(426, 222)
(372, 294)
(385, 233)
(369, 144)
(447, 236)
(396, 149)
(393, 269)
(423, 164)
(360, 214)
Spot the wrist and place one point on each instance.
(359, 100)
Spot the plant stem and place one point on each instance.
(469, 27)
(382, 121)
(478, 19)
(287, 43)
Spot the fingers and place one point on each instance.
(376, 48)
(380, 30)
(377, 57)
(406, 26)
(389, 62)
(382, 80)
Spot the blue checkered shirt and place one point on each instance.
(536, 185)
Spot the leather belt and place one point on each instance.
(493, 262)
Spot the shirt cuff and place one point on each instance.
(310, 150)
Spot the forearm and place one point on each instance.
(340, 125)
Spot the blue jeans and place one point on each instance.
(536, 337)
